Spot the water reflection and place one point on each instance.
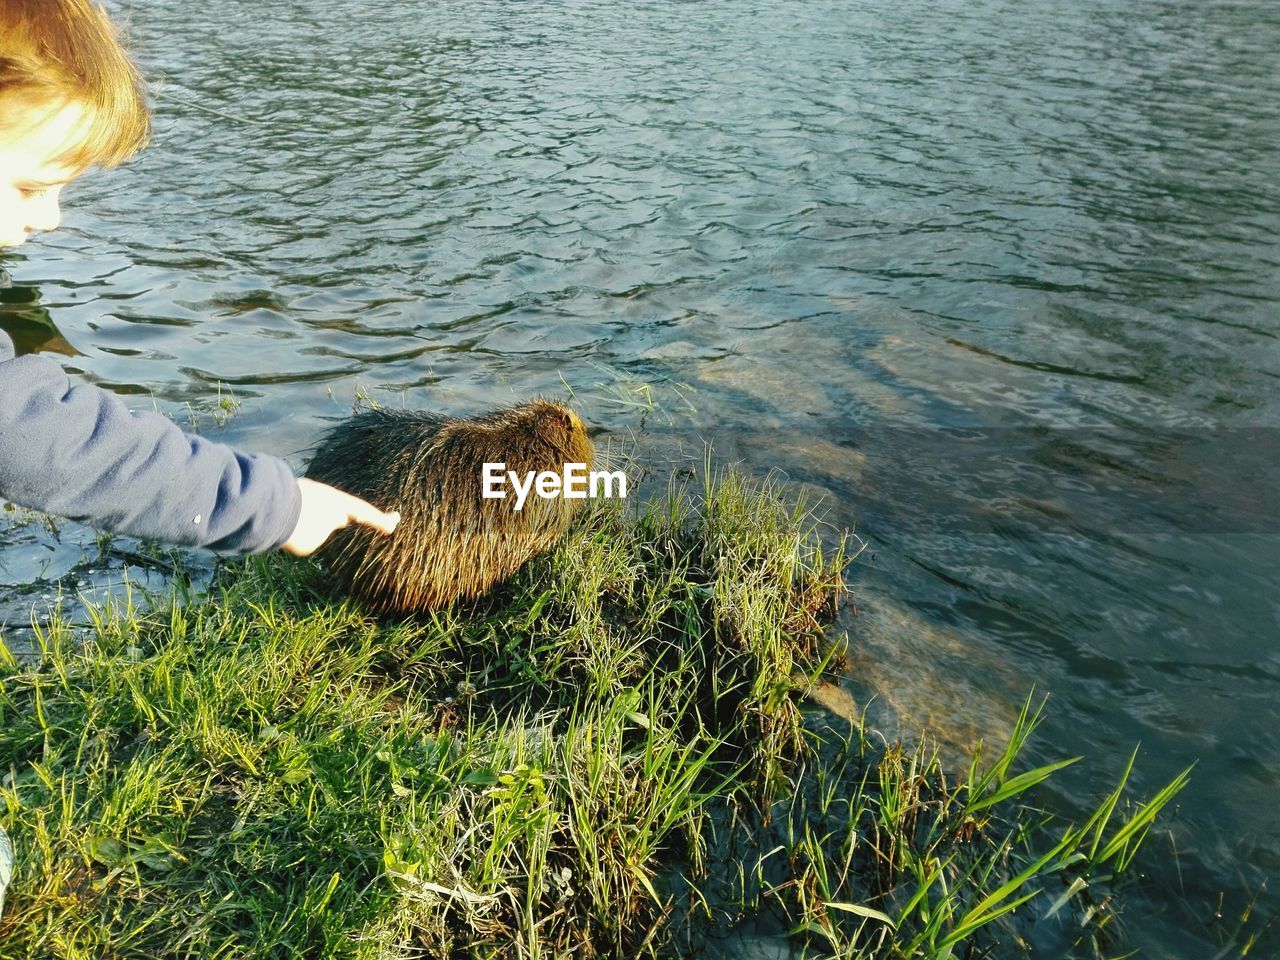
(29, 324)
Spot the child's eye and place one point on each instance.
(30, 193)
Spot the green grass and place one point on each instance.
(607, 757)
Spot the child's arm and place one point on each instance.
(74, 450)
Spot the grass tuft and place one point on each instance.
(606, 757)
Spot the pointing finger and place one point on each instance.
(371, 516)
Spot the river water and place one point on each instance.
(999, 281)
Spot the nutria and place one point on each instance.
(451, 542)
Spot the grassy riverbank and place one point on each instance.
(607, 758)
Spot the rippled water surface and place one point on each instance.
(1000, 279)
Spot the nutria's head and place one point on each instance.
(559, 429)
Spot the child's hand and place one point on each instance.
(326, 509)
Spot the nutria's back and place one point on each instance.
(452, 542)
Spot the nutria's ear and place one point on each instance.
(554, 418)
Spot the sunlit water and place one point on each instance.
(1000, 279)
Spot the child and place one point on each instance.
(70, 100)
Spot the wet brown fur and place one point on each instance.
(451, 542)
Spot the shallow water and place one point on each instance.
(1001, 281)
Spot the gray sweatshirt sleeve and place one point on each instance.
(76, 451)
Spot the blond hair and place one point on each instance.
(55, 52)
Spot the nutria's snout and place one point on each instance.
(453, 541)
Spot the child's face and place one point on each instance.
(31, 177)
